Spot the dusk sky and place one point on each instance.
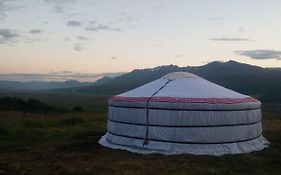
(97, 36)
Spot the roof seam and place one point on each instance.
(159, 90)
(147, 111)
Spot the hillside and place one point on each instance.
(40, 85)
(264, 83)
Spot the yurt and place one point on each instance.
(182, 113)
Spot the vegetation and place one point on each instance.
(77, 109)
(30, 105)
(67, 143)
(65, 101)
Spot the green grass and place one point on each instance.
(88, 102)
(67, 143)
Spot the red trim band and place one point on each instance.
(184, 100)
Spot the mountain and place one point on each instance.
(57, 76)
(127, 81)
(39, 85)
(263, 83)
(275, 68)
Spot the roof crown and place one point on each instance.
(179, 75)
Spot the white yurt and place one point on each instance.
(182, 113)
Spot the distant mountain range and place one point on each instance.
(40, 85)
(53, 80)
(57, 76)
(262, 83)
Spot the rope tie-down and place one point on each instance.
(147, 113)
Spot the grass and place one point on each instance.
(88, 102)
(67, 143)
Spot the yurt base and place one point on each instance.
(166, 148)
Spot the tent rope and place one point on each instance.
(147, 112)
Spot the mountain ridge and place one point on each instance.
(262, 83)
(40, 85)
(245, 78)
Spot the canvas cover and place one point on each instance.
(183, 113)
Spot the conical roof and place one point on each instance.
(187, 88)
(179, 75)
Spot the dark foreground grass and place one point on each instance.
(88, 102)
(67, 143)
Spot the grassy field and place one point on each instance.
(89, 102)
(67, 143)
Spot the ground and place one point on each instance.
(67, 143)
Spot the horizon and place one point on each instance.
(64, 76)
(43, 36)
(100, 73)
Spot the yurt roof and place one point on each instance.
(183, 87)
(179, 75)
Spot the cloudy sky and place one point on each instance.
(96, 36)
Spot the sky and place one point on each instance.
(99, 36)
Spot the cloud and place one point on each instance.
(60, 2)
(101, 27)
(33, 40)
(158, 45)
(113, 58)
(230, 39)
(60, 5)
(162, 5)
(6, 6)
(241, 29)
(66, 39)
(93, 22)
(35, 31)
(219, 17)
(82, 38)
(126, 18)
(7, 35)
(180, 56)
(260, 54)
(73, 23)
(58, 9)
(2, 10)
(79, 47)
